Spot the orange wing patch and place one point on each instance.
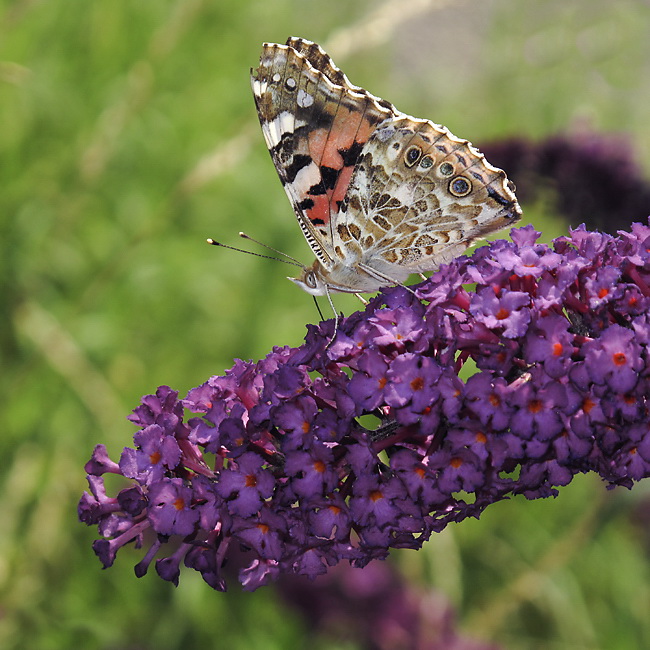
(336, 151)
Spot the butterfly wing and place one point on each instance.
(315, 123)
(419, 196)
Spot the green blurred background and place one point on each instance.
(127, 136)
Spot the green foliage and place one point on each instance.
(128, 136)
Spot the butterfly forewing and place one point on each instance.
(315, 129)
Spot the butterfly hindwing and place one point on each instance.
(418, 197)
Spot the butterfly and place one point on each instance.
(379, 195)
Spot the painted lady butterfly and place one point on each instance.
(379, 194)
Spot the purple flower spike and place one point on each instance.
(278, 458)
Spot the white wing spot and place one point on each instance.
(276, 77)
(306, 177)
(304, 99)
(284, 122)
(392, 153)
(259, 88)
(291, 82)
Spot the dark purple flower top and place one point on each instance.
(282, 462)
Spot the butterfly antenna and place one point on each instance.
(267, 257)
(243, 235)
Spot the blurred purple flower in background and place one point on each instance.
(280, 461)
(586, 176)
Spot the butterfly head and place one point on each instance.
(311, 280)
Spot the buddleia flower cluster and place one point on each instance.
(367, 439)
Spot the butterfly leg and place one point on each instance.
(320, 313)
(361, 298)
(384, 278)
(424, 277)
(336, 318)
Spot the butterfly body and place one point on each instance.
(378, 194)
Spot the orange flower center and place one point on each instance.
(417, 383)
(375, 495)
